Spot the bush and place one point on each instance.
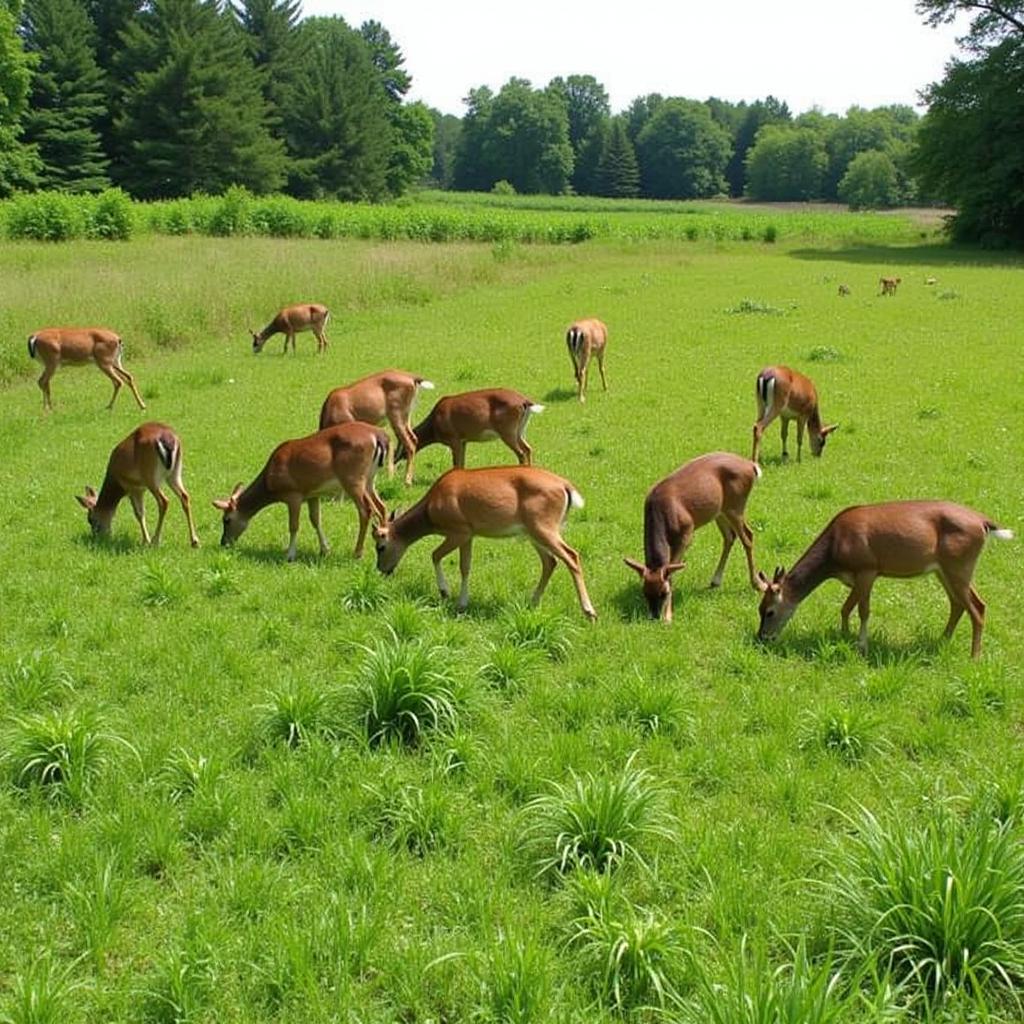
(503, 188)
(112, 216)
(46, 217)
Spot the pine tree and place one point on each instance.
(269, 30)
(618, 174)
(336, 118)
(19, 162)
(194, 117)
(67, 98)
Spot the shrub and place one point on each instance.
(46, 217)
(404, 690)
(595, 822)
(503, 188)
(937, 904)
(112, 216)
(232, 214)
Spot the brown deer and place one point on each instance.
(486, 415)
(292, 320)
(341, 459)
(143, 461)
(586, 339)
(389, 395)
(782, 392)
(898, 538)
(889, 285)
(75, 346)
(711, 488)
(501, 501)
(844, 290)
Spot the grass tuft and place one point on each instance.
(366, 592)
(295, 711)
(35, 679)
(43, 993)
(515, 981)
(540, 630)
(843, 732)
(510, 666)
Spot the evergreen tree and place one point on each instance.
(447, 129)
(387, 59)
(618, 174)
(269, 30)
(194, 117)
(68, 96)
(19, 162)
(336, 118)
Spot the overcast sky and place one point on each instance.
(807, 52)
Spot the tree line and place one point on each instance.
(172, 97)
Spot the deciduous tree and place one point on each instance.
(19, 162)
(786, 162)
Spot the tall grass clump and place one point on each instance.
(595, 822)
(753, 992)
(405, 689)
(42, 993)
(97, 903)
(540, 630)
(295, 711)
(31, 680)
(61, 751)
(510, 666)
(843, 732)
(633, 957)
(938, 905)
(515, 981)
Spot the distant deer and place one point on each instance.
(486, 415)
(889, 285)
(501, 501)
(342, 459)
(844, 289)
(898, 538)
(145, 459)
(75, 346)
(782, 392)
(294, 320)
(389, 395)
(711, 488)
(586, 339)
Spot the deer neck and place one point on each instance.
(813, 568)
(413, 525)
(255, 497)
(657, 550)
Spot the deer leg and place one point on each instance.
(547, 567)
(552, 542)
(186, 503)
(459, 454)
(785, 438)
(321, 341)
(764, 419)
(465, 563)
(862, 585)
(746, 537)
(584, 371)
(135, 497)
(600, 366)
(161, 504)
(294, 508)
(313, 507)
(408, 440)
(365, 508)
(127, 378)
(800, 426)
(44, 386)
(448, 545)
(956, 606)
(116, 380)
(976, 610)
(728, 539)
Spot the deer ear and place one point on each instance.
(673, 567)
(762, 581)
(825, 431)
(224, 504)
(635, 566)
(239, 487)
(89, 501)
(391, 517)
(90, 491)
(780, 575)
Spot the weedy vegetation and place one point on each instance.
(233, 788)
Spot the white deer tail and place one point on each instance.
(575, 498)
(427, 385)
(534, 408)
(993, 531)
(32, 346)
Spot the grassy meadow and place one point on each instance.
(206, 813)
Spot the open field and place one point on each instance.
(227, 842)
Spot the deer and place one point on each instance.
(389, 395)
(900, 539)
(844, 290)
(710, 488)
(782, 392)
(499, 501)
(75, 346)
(341, 459)
(889, 285)
(292, 320)
(146, 459)
(485, 415)
(586, 338)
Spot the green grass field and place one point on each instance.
(217, 833)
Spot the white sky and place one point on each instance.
(807, 52)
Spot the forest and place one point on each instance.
(169, 98)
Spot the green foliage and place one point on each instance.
(682, 152)
(295, 711)
(595, 822)
(68, 96)
(43, 992)
(618, 174)
(19, 163)
(937, 904)
(758, 114)
(870, 182)
(786, 163)
(193, 117)
(541, 630)
(515, 981)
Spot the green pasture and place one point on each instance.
(226, 838)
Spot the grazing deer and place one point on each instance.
(340, 459)
(145, 459)
(710, 488)
(501, 501)
(485, 415)
(586, 338)
(782, 392)
(292, 320)
(929, 281)
(389, 395)
(898, 538)
(889, 285)
(844, 290)
(74, 346)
